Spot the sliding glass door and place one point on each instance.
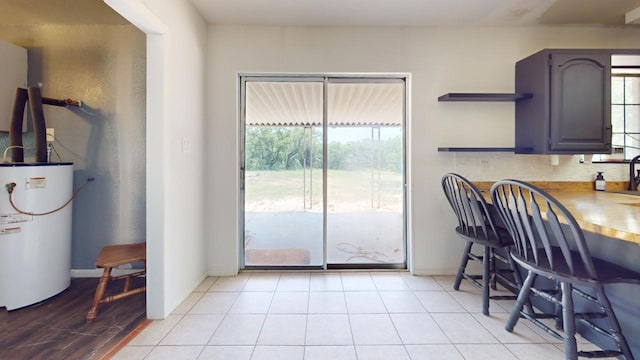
(323, 172)
(365, 177)
(283, 198)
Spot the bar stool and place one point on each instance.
(110, 257)
(478, 227)
(548, 242)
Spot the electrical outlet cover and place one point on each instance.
(50, 134)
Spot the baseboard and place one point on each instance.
(221, 273)
(96, 273)
(434, 272)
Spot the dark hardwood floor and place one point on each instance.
(57, 329)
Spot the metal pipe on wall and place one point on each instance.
(15, 127)
(39, 127)
(35, 99)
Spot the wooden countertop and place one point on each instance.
(609, 214)
(605, 213)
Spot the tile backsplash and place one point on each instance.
(496, 166)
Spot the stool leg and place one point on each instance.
(518, 279)
(558, 306)
(463, 265)
(570, 346)
(614, 325)
(493, 270)
(102, 287)
(523, 298)
(127, 283)
(486, 274)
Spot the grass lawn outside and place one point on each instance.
(347, 191)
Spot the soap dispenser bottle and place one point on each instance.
(600, 182)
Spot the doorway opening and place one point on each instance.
(323, 172)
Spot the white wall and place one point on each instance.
(176, 239)
(440, 60)
(184, 178)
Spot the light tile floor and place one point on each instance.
(338, 316)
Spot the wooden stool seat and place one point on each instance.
(115, 255)
(110, 257)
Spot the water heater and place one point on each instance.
(35, 245)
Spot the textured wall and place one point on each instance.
(104, 67)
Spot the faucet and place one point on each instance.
(634, 180)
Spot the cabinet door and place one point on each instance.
(580, 118)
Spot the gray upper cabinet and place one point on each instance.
(570, 110)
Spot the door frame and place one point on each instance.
(326, 78)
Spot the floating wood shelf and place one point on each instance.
(486, 149)
(476, 149)
(484, 96)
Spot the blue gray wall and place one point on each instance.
(104, 67)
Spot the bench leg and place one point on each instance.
(102, 287)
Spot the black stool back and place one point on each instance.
(477, 226)
(548, 241)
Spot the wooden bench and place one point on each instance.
(110, 257)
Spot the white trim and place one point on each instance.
(138, 15)
(313, 76)
(141, 17)
(434, 271)
(325, 78)
(408, 226)
(96, 273)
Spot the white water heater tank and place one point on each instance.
(35, 251)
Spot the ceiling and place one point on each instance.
(344, 12)
(417, 12)
(57, 12)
